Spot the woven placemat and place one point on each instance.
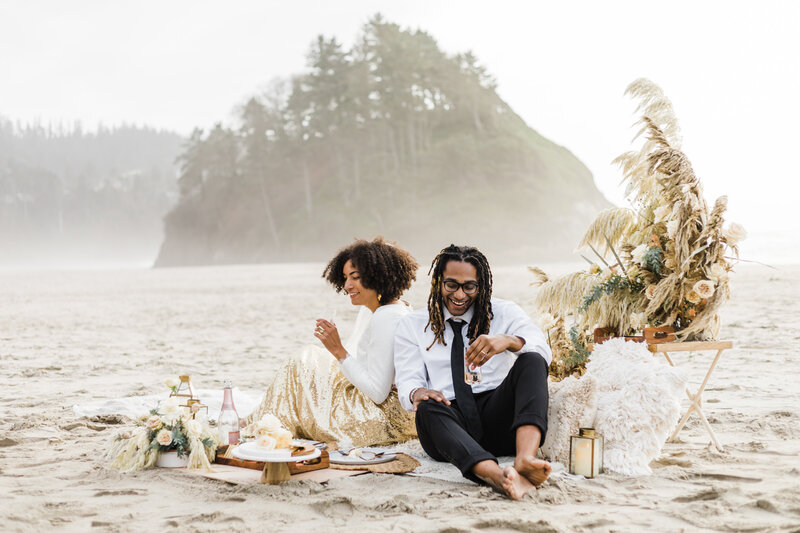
(402, 464)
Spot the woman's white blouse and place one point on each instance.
(371, 369)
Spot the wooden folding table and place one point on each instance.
(696, 399)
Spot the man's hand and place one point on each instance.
(428, 394)
(487, 346)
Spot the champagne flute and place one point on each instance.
(472, 376)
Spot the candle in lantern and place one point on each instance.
(586, 453)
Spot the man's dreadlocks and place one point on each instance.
(482, 316)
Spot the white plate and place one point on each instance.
(251, 451)
(339, 458)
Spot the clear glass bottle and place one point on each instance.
(228, 423)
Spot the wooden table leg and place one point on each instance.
(697, 401)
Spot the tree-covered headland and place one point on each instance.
(390, 136)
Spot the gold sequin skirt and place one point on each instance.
(314, 400)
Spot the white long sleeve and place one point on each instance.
(418, 366)
(371, 369)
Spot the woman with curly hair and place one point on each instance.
(349, 398)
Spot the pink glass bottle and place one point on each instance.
(228, 423)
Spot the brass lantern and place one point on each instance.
(586, 453)
(184, 389)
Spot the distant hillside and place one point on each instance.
(390, 137)
(74, 197)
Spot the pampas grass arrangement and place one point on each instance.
(662, 262)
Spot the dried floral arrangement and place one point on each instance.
(662, 262)
(170, 427)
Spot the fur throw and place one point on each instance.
(638, 403)
(573, 405)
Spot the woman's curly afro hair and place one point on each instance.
(383, 267)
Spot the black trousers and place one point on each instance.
(521, 399)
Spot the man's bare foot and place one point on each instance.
(514, 485)
(507, 482)
(534, 470)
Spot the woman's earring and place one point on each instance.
(379, 298)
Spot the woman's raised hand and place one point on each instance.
(327, 333)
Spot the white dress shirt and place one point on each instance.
(371, 369)
(415, 366)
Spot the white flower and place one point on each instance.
(269, 423)
(283, 438)
(704, 288)
(170, 409)
(154, 422)
(172, 382)
(650, 292)
(661, 213)
(194, 427)
(164, 437)
(734, 233)
(638, 253)
(606, 274)
(266, 442)
(672, 228)
(717, 272)
(692, 297)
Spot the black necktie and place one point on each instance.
(464, 398)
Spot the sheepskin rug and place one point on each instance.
(573, 405)
(638, 403)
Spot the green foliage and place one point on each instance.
(579, 354)
(653, 260)
(613, 284)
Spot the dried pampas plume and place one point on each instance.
(663, 246)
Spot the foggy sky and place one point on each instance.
(730, 68)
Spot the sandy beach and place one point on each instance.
(72, 337)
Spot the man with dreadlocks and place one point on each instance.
(506, 412)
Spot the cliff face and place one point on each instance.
(392, 137)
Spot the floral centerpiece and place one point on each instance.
(662, 262)
(170, 427)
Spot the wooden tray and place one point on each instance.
(225, 457)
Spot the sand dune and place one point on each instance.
(73, 337)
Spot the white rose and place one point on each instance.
(170, 409)
(266, 442)
(704, 288)
(154, 422)
(164, 437)
(717, 272)
(734, 233)
(672, 228)
(638, 253)
(269, 423)
(194, 427)
(172, 382)
(661, 213)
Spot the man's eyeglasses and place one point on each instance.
(470, 287)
